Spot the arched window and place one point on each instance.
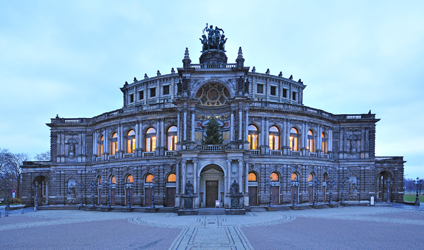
(113, 179)
(130, 179)
(325, 177)
(324, 144)
(172, 178)
(251, 177)
(131, 141)
(100, 146)
(311, 145)
(294, 140)
(172, 138)
(150, 178)
(151, 140)
(274, 142)
(114, 143)
(253, 137)
(99, 180)
(310, 177)
(294, 177)
(274, 177)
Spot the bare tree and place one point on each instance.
(4, 158)
(14, 168)
(43, 156)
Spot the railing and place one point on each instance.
(99, 158)
(214, 66)
(327, 156)
(210, 147)
(148, 154)
(276, 152)
(313, 154)
(112, 157)
(395, 158)
(128, 155)
(295, 153)
(170, 153)
(254, 152)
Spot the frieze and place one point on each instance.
(296, 122)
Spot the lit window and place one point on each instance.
(113, 179)
(100, 146)
(149, 178)
(130, 179)
(310, 177)
(172, 138)
(114, 143)
(274, 143)
(324, 144)
(251, 177)
(311, 146)
(131, 141)
(294, 177)
(172, 178)
(294, 140)
(253, 137)
(274, 177)
(99, 180)
(151, 140)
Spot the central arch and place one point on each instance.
(212, 185)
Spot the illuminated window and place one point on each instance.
(130, 179)
(114, 144)
(274, 177)
(274, 143)
(113, 180)
(311, 145)
(251, 177)
(324, 144)
(172, 138)
(294, 177)
(99, 180)
(294, 140)
(100, 146)
(151, 140)
(310, 177)
(131, 141)
(253, 137)
(149, 178)
(172, 178)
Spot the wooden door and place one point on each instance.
(148, 197)
(112, 196)
(311, 195)
(211, 193)
(253, 196)
(275, 195)
(170, 197)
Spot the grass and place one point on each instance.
(412, 198)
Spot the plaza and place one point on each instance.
(357, 227)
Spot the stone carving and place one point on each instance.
(189, 189)
(214, 39)
(352, 184)
(242, 86)
(71, 150)
(234, 188)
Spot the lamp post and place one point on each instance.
(271, 184)
(128, 187)
(93, 187)
(82, 197)
(316, 184)
(7, 189)
(295, 184)
(330, 186)
(36, 196)
(153, 193)
(418, 183)
(107, 184)
(389, 184)
(342, 183)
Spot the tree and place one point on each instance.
(43, 156)
(4, 158)
(14, 168)
(213, 133)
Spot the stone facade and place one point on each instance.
(267, 132)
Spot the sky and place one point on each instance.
(71, 57)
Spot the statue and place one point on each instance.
(204, 41)
(189, 190)
(71, 190)
(234, 188)
(179, 87)
(246, 86)
(214, 39)
(222, 42)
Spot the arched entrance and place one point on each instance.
(382, 185)
(212, 185)
(41, 190)
(295, 177)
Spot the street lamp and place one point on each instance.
(389, 184)
(330, 186)
(93, 187)
(153, 192)
(107, 184)
(271, 184)
(342, 183)
(82, 197)
(7, 189)
(36, 196)
(295, 184)
(418, 183)
(128, 187)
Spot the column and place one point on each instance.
(136, 137)
(267, 133)
(228, 176)
(195, 175)
(94, 143)
(240, 122)
(192, 125)
(106, 142)
(287, 133)
(246, 130)
(240, 173)
(247, 178)
(232, 126)
(158, 137)
(330, 140)
(185, 125)
(177, 172)
(261, 132)
(183, 169)
(178, 127)
(120, 136)
(162, 133)
(141, 136)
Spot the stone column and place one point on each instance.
(195, 175)
(240, 122)
(106, 141)
(94, 143)
(246, 130)
(185, 125)
(136, 140)
(240, 175)
(178, 127)
(228, 176)
(184, 168)
(247, 178)
(232, 127)
(192, 126)
(162, 133)
(141, 136)
(158, 137)
(177, 173)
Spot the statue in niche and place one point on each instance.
(189, 189)
(352, 184)
(234, 188)
(71, 152)
(71, 190)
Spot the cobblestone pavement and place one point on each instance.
(396, 227)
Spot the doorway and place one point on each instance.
(211, 193)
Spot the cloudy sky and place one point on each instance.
(70, 58)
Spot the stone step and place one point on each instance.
(211, 211)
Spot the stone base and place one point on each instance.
(89, 208)
(188, 212)
(126, 209)
(296, 207)
(151, 210)
(317, 206)
(333, 205)
(271, 209)
(105, 209)
(230, 211)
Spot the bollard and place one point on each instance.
(6, 213)
(0, 214)
(22, 211)
(35, 209)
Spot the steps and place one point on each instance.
(211, 211)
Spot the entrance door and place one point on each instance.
(170, 197)
(253, 196)
(148, 197)
(275, 195)
(311, 194)
(211, 193)
(112, 196)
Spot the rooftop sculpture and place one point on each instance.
(214, 39)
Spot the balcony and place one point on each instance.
(148, 154)
(276, 152)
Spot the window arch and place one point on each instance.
(324, 143)
(274, 136)
(274, 177)
(311, 177)
(294, 139)
(252, 177)
(294, 177)
(114, 143)
(325, 177)
(130, 179)
(100, 145)
(151, 140)
(172, 138)
(311, 143)
(172, 178)
(131, 141)
(150, 178)
(99, 180)
(112, 179)
(253, 137)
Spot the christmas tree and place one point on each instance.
(213, 133)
